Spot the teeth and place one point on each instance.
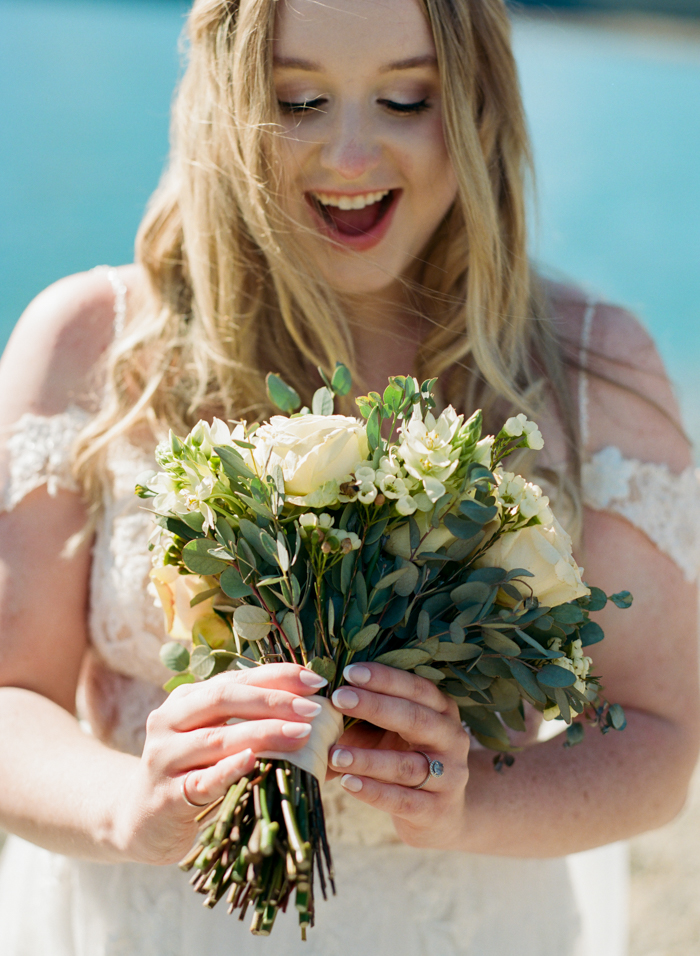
(350, 202)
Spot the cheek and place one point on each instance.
(428, 169)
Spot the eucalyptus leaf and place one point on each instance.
(526, 678)
(563, 702)
(202, 662)
(341, 382)
(374, 424)
(505, 693)
(364, 637)
(473, 592)
(389, 579)
(430, 673)
(423, 625)
(447, 651)
(347, 566)
(461, 527)
(567, 614)
(322, 403)
(575, 734)
(196, 558)
(281, 394)
(477, 512)
(457, 634)
(590, 633)
(251, 623)
(323, 666)
(405, 658)
(551, 675)
(204, 596)
(494, 667)
(177, 680)
(623, 599)
(616, 717)
(292, 629)
(175, 656)
(406, 584)
(233, 463)
(500, 643)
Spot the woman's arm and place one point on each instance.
(555, 801)
(59, 787)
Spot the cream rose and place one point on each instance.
(312, 450)
(546, 552)
(175, 591)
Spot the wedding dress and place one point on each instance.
(392, 900)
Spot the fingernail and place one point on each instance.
(353, 784)
(345, 699)
(311, 679)
(306, 708)
(296, 731)
(245, 755)
(357, 674)
(341, 758)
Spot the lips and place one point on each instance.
(363, 227)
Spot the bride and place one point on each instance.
(346, 183)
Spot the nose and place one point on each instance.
(350, 149)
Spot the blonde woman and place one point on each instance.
(346, 183)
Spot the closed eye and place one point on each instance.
(303, 107)
(417, 107)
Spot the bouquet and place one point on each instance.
(322, 539)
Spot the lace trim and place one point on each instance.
(665, 506)
(40, 453)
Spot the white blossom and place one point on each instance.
(520, 425)
(426, 449)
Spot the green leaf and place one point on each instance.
(423, 625)
(505, 693)
(623, 599)
(574, 735)
(178, 679)
(196, 558)
(478, 512)
(232, 584)
(494, 667)
(202, 662)
(251, 623)
(341, 383)
(499, 642)
(591, 633)
(391, 578)
(596, 601)
(405, 658)
(253, 536)
(359, 641)
(232, 463)
(616, 717)
(526, 679)
(281, 394)
(347, 566)
(374, 425)
(563, 702)
(552, 675)
(447, 651)
(461, 527)
(567, 614)
(473, 592)
(413, 533)
(468, 615)
(204, 596)
(292, 629)
(430, 673)
(175, 656)
(457, 634)
(194, 520)
(375, 532)
(408, 581)
(322, 403)
(323, 666)
(514, 720)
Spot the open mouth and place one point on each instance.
(354, 217)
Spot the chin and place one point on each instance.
(360, 279)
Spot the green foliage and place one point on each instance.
(281, 394)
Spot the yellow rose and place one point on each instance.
(311, 449)
(546, 552)
(175, 591)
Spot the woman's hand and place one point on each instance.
(383, 764)
(190, 745)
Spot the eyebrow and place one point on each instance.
(412, 63)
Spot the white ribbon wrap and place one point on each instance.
(326, 730)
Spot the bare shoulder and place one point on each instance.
(632, 404)
(50, 361)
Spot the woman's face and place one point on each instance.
(364, 161)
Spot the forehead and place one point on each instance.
(361, 33)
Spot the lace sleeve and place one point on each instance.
(39, 452)
(665, 506)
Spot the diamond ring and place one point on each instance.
(435, 769)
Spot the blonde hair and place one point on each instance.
(230, 295)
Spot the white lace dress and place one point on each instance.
(393, 900)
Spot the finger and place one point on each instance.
(396, 683)
(206, 746)
(204, 786)
(417, 724)
(243, 694)
(404, 767)
(393, 799)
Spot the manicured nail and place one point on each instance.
(311, 679)
(296, 731)
(245, 756)
(353, 784)
(306, 708)
(341, 758)
(345, 699)
(357, 674)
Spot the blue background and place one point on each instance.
(85, 90)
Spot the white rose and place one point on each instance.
(311, 450)
(175, 591)
(546, 552)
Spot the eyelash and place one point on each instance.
(400, 108)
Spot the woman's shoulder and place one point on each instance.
(630, 402)
(50, 359)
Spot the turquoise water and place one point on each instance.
(85, 87)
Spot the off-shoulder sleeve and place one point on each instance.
(664, 505)
(39, 452)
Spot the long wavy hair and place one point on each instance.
(231, 297)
